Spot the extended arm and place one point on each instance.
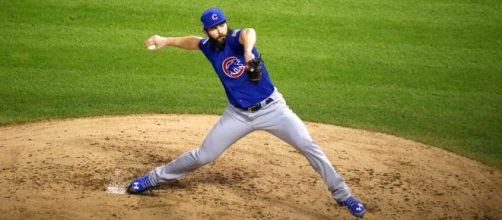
(187, 43)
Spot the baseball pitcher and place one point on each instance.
(254, 103)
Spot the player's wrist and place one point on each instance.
(165, 41)
(248, 55)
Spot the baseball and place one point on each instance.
(152, 47)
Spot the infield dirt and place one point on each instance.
(76, 169)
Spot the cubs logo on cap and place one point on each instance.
(212, 17)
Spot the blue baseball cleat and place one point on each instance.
(139, 185)
(355, 207)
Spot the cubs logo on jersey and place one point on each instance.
(232, 67)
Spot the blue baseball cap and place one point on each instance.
(212, 17)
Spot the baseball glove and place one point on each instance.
(253, 68)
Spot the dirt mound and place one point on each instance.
(77, 169)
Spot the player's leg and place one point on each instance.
(224, 133)
(285, 124)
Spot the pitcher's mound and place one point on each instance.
(78, 169)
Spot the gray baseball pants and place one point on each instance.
(276, 118)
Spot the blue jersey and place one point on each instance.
(229, 64)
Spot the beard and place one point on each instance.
(220, 41)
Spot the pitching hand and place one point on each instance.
(156, 40)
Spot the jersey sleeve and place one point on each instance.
(204, 45)
(233, 41)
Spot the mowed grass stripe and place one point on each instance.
(424, 70)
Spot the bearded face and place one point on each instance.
(218, 35)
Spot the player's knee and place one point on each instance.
(305, 143)
(205, 158)
(307, 146)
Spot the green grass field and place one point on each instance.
(427, 70)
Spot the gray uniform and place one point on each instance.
(274, 117)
